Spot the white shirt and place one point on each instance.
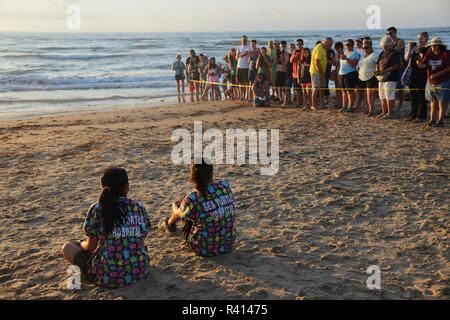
(243, 61)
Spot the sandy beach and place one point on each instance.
(351, 192)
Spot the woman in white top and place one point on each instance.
(213, 79)
(367, 66)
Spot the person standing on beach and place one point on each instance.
(349, 74)
(272, 52)
(388, 66)
(437, 63)
(232, 64)
(264, 64)
(114, 254)
(419, 107)
(281, 59)
(330, 63)
(305, 76)
(295, 60)
(253, 70)
(242, 55)
(194, 76)
(366, 67)
(208, 213)
(341, 99)
(178, 67)
(399, 45)
(318, 70)
(289, 77)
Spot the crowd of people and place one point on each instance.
(299, 75)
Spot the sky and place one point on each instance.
(213, 15)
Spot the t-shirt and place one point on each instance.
(346, 68)
(178, 71)
(121, 257)
(295, 63)
(436, 63)
(261, 91)
(252, 62)
(233, 68)
(192, 63)
(212, 216)
(272, 55)
(264, 65)
(388, 59)
(243, 61)
(367, 66)
(320, 53)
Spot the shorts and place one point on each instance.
(297, 86)
(280, 79)
(259, 101)
(213, 80)
(372, 83)
(439, 92)
(387, 90)
(81, 259)
(273, 77)
(317, 81)
(179, 77)
(195, 76)
(289, 82)
(350, 80)
(191, 86)
(242, 76)
(252, 73)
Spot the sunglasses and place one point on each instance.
(348, 45)
(365, 48)
(389, 33)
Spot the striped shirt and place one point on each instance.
(367, 65)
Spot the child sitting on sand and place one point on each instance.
(261, 92)
(208, 214)
(114, 254)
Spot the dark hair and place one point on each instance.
(350, 41)
(299, 40)
(425, 34)
(113, 182)
(253, 41)
(284, 43)
(201, 175)
(339, 45)
(317, 42)
(392, 29)
(302, 56)
(367, 38)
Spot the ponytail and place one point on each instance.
(113, 182)
(201, 175)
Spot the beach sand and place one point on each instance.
(351, 192)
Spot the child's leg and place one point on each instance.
(69, 251)
(178, 86)
(182, 84)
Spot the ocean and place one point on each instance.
(54, 73)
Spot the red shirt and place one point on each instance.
(436, 63)
(295, 63)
